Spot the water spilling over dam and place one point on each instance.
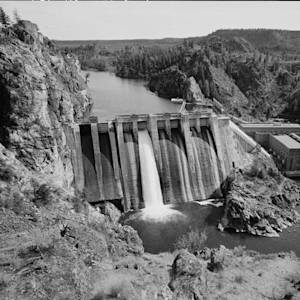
(148, 160)
(152, 194)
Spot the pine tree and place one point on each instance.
(4, 19)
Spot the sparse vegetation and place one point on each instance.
(46, 194)
(117, 288)
(79, 203)
(6, 173)
(4, 18)
(12, 198)
(193, 241)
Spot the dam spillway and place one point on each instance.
(113, 161)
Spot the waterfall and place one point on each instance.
(149, 175)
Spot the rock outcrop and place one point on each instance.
(241, 275)
(40, 91)
(170, 83)
(260, 200)
(194, 93)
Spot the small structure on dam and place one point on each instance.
(193, 153)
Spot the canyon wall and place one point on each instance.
(40, 91)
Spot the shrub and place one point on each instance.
(239, 279)
(4, 281)
(12, 198)
(6, 173)
(258, 169)
(45, 194)
(79, 202)
(41, 243)
(239, 250)
(193, 241)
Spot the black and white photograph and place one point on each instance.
(149, 150)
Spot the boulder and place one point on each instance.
(194, 93)
(112, 212)
(260, 201)
(123, 240)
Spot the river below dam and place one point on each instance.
(160, 234)
(113, 96)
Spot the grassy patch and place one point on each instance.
(12, 198)
(115, 287)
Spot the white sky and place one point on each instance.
(127, 20)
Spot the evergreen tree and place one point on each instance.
(4, 19)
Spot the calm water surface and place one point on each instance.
(114, 96)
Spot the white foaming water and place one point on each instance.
(150, 180)
(152, 194)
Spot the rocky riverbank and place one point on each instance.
(260, 200)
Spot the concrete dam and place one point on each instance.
(173, 157)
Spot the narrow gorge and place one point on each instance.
(72, 189)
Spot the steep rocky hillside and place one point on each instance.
(40, 91)
(265, 39)
(259, 200)
(54, 245)
(249, 83)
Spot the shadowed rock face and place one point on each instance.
(40, 91)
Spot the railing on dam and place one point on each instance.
(194, 153)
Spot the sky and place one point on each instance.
(84, 20)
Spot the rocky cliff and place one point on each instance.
(40, 91)
(260, 200)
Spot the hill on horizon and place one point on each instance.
(265, 39)
(276, 40)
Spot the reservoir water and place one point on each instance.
(114, 96)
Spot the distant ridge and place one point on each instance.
(113, 45)
(265, 39)
(262, 39)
